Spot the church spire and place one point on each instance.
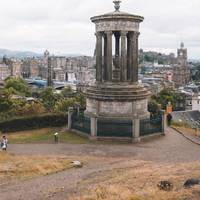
(182, 45)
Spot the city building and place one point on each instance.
(79, 70)
(5, 71)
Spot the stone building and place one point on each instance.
(16, 68)
(72, 69)
(25, 69)
(181, 72)
(5, 71)
(10, 67)
(34, 68)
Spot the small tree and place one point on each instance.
(48, 98)
(81, 100)
(67, 92)
(64, 104)
(5, 99)
(168, 95)
(153, 107)
(18, 85)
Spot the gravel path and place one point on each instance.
(172, 148)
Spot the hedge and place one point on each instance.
(33, 122)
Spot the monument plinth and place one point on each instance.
(117, 95)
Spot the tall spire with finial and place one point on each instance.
(117, 5)
(182, 45)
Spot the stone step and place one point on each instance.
(103, 92)
(117, 97)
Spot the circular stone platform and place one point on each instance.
(122, 100)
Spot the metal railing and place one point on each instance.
(114, 128)
(81, 123)
(151, 126)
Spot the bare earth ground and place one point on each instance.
(110, 162)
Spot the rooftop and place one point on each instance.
(117, 14)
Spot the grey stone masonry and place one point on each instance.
(99, 57)
(70, 113)
(116, 95)
(123, 65)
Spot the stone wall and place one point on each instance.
(118, 109)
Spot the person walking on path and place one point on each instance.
(4, 143)
(169, 119)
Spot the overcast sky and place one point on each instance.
(63, 26)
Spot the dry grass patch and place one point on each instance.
(190, 131)
(17, 167)
(139, 182)
(45, 135)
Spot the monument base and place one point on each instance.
(116, 109)
(117, 101)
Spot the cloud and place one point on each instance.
(65, 27)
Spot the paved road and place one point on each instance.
(169, 149)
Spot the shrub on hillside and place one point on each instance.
(64, 104)
(33, 122)
(18, 85)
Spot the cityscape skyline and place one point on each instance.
(65, 27)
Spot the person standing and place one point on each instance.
(4, 143)
(169, 119)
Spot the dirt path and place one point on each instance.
(170, 149)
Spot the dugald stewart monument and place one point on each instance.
(117, 105)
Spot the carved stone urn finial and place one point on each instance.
(117, 5)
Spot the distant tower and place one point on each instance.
(181, 74)
(48, 63)
(45, 58)
(5, 60)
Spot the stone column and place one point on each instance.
(93, 127)
(130, 55)
(128, 58)
(99, 57)
(117, 45)
(135, 57)
(136, 130)
(116, 61)
(105, 58)
(109, 56)
(123, 56)
(70, 113)
(164, 121)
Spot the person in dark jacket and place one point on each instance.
(169, 119)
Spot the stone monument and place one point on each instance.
(116, 96)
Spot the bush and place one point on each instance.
(28, 109)
(18, 85)
(33, 122)
(48, 98)
(64, 104)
